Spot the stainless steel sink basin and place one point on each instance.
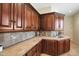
(60, 36)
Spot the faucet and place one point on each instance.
(58, 34)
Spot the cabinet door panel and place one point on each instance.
(18, 20)
(34, 20)
(47, 22)
(56, 22)
(43, 22)
(61, 21)
(50, 22)
(28, 18)
(61, 47)
(5, 21)
(6, 17)
(67, 45)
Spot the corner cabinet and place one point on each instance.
(51, 47)
(52, 21)
(35, 51)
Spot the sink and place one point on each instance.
(59, 36)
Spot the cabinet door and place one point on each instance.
(39, 48)
(18, 16)
(43, 22)
(67, 45)
(48, 47)
(5, 18)
(61, 22)
(47, 22)
(34, 20)
(61, 47)
(56, 22)
(28, 18)
(50, 22)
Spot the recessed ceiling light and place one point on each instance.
(70, 11)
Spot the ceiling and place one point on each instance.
(65, 8)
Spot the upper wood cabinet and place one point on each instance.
(28, 18)
(18, 16)
(52, 21)
(5, 16)
(35, 22)
(47, 22)
(59, 22)
(31, 18)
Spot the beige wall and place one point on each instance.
(76, 28)
(68, 26)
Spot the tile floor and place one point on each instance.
(74, 51)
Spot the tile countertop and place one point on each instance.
(22, 48)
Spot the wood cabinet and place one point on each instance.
(50, 47)
(55, 47)
(35, 20)
(18, 16)
(28, 18)
(31, 19)
(5, 16)
(52, 21)
(59, 22)
(67, 45)
(47, 22)
(61, 47)
(35, 51)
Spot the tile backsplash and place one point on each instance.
(7, 39)
(50, 33)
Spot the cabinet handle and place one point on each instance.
(12, 21)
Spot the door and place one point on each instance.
(18, 16)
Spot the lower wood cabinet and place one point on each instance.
(35, 51)
(67, 45)
(51, 47)
(61, 47)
